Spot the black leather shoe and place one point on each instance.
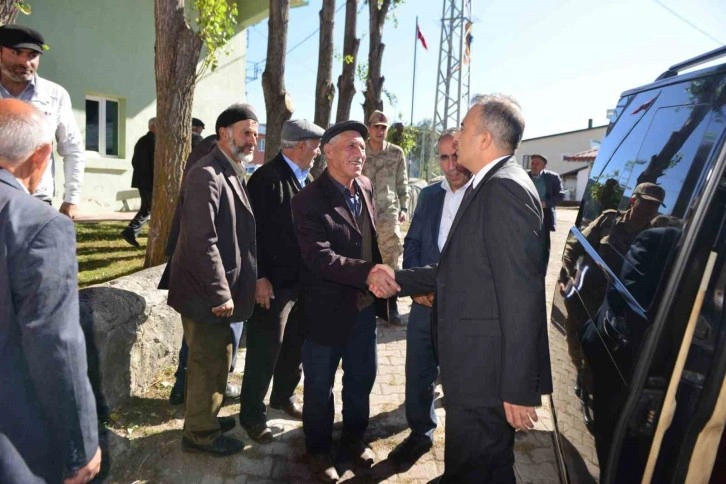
(226, 423)
(394, 317)
(359, 451)
(410, 450)
(260, 433)
(128, 236)
(220, 447)
(232, 391)
(322, 466)
(176, 397)
(293, 409)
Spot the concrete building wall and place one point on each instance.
(555, 146)
(106, 49)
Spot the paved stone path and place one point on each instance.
(157, 455)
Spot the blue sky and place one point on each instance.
(566, 61)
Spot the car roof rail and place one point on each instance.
(701, 59)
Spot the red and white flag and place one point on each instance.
(421, 37)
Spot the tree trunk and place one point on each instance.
(374, 84)
(346, 80)
(8, 11)
(278, 102)
(324, 88)
(177, 52)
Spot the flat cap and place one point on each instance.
(378, 117)
(197, 123)
(650, 191)
(19, 37)
(342, 127)
(233, 114)
(300, 129)
(541, 157)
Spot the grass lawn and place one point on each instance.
(102, 253)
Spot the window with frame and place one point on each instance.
(261, 145)
(102, 125)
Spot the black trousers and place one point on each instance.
(142, 216)
(479, 446)
(274, 348)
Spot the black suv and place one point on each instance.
(641, 296)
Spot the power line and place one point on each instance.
(688, 22)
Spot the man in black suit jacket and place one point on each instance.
(549, 188)
(334, 219)
(490, 300)
(142, 180)
(273, 340)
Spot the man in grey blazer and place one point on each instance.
(48, 423)
(489, 307)
(213, 274)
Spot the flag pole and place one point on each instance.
(413, 82)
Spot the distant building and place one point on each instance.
(558, 148)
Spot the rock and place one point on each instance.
(136, 334)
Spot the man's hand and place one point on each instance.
(543, 203)
(425, 299)
(402, 216)
(263, 292)
(69, 209)
(519, 417)
(87, 472)
(562, 288)
(224, 310)
(382, 281)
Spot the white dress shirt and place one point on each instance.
(475, 179)
(452, 200)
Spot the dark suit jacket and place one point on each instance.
(421, 245)
(490, 309)
(215, 257)
(553, 196)
(48, 424)
(143, 163)
(333, 273)
(271, 189)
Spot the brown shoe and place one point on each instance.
(359, 451)
(293, 409)
(322, 466)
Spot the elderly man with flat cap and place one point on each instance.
(334, 219)
(20, 50)
(273, 340)
(213, 275)
(386, 168)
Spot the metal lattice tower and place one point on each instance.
(454, 76)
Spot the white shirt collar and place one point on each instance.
(475, 179)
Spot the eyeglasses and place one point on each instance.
(444, 158)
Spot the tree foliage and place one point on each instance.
(9, 10)
(216, 20)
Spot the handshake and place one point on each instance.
(382, 281)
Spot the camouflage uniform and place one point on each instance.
(387, 171)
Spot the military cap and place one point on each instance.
(650, 191)
(300, 129)
(342, 127)
(197, 123)
(378, 117)
(19, 37)
(233, 114)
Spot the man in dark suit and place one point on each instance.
(197, 128)
(490, 314)
(213, 274)
(437, 205)
(48, 424)
(334, 221)
(143, 180)
(273, 339)
(549, 188)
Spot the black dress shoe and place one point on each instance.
(359, 451)
(293, 409)
(176, 397)
(130, 237)
(410, 450)
(220, 447)
(226, 423)
(394, 317)
(322, 466)
(232, 391)
(260, 433)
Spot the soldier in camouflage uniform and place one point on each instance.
(386, 167)
(611, 235)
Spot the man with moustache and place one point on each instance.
(334, 219)
(273, 340)
(213, 274)
(20, 50)
(490, 312)
(437, 205)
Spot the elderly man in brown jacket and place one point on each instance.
(213, 275)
